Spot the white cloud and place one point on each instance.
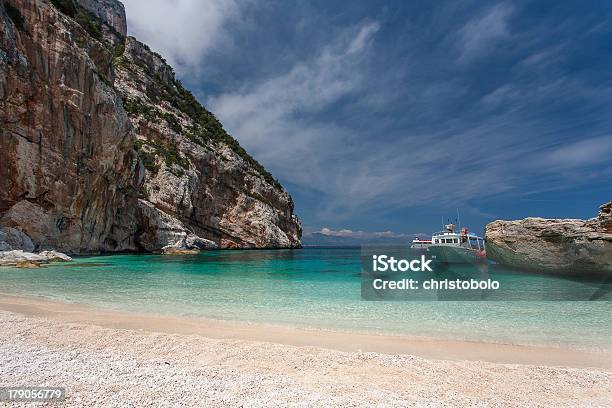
(365, 34)
(308, 86)
(350, 168)
(482, 33)
(362, 234)
(183, 31)
(268, 118)
(504, 95)
(583, 153)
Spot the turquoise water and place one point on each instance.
(316, 288)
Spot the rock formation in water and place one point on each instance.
(104, 150)
(23, 259)
(554, 245)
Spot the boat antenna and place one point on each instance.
(458, 219)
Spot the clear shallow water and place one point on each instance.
(317, 288)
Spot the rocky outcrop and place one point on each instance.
(104, 150)
(29, 259)
(158, 230)
(554, 245)
(195, 172)
(54, 256)
(110, 12)
(16, 249)
(179, 250)
(13, 239)
(188, 244)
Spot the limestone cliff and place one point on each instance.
(554, 245)
(68, 164)
(195, 171)
(104, 150)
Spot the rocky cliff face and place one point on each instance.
(195, 172)
(68, 164)
(104, 150)
(554, 245)
(110, 12)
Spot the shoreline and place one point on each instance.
(428, 348)
(107, 358)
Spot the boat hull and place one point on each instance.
(455, 254)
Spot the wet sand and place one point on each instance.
(111, 358)
(336, 340)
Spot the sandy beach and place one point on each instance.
(107, 358)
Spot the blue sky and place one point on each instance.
(385, 116)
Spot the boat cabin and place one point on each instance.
(463, 239)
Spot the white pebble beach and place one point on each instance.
(115, 367)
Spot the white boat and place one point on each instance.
(451, 247)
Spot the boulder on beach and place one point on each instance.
(173, 250)
(571, 246)
(22, 258)
(13, 258)
(54, 256)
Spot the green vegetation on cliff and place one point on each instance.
(136, 107)
(207, 127)
(85, 19)
(90, 23)
(149, 150)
